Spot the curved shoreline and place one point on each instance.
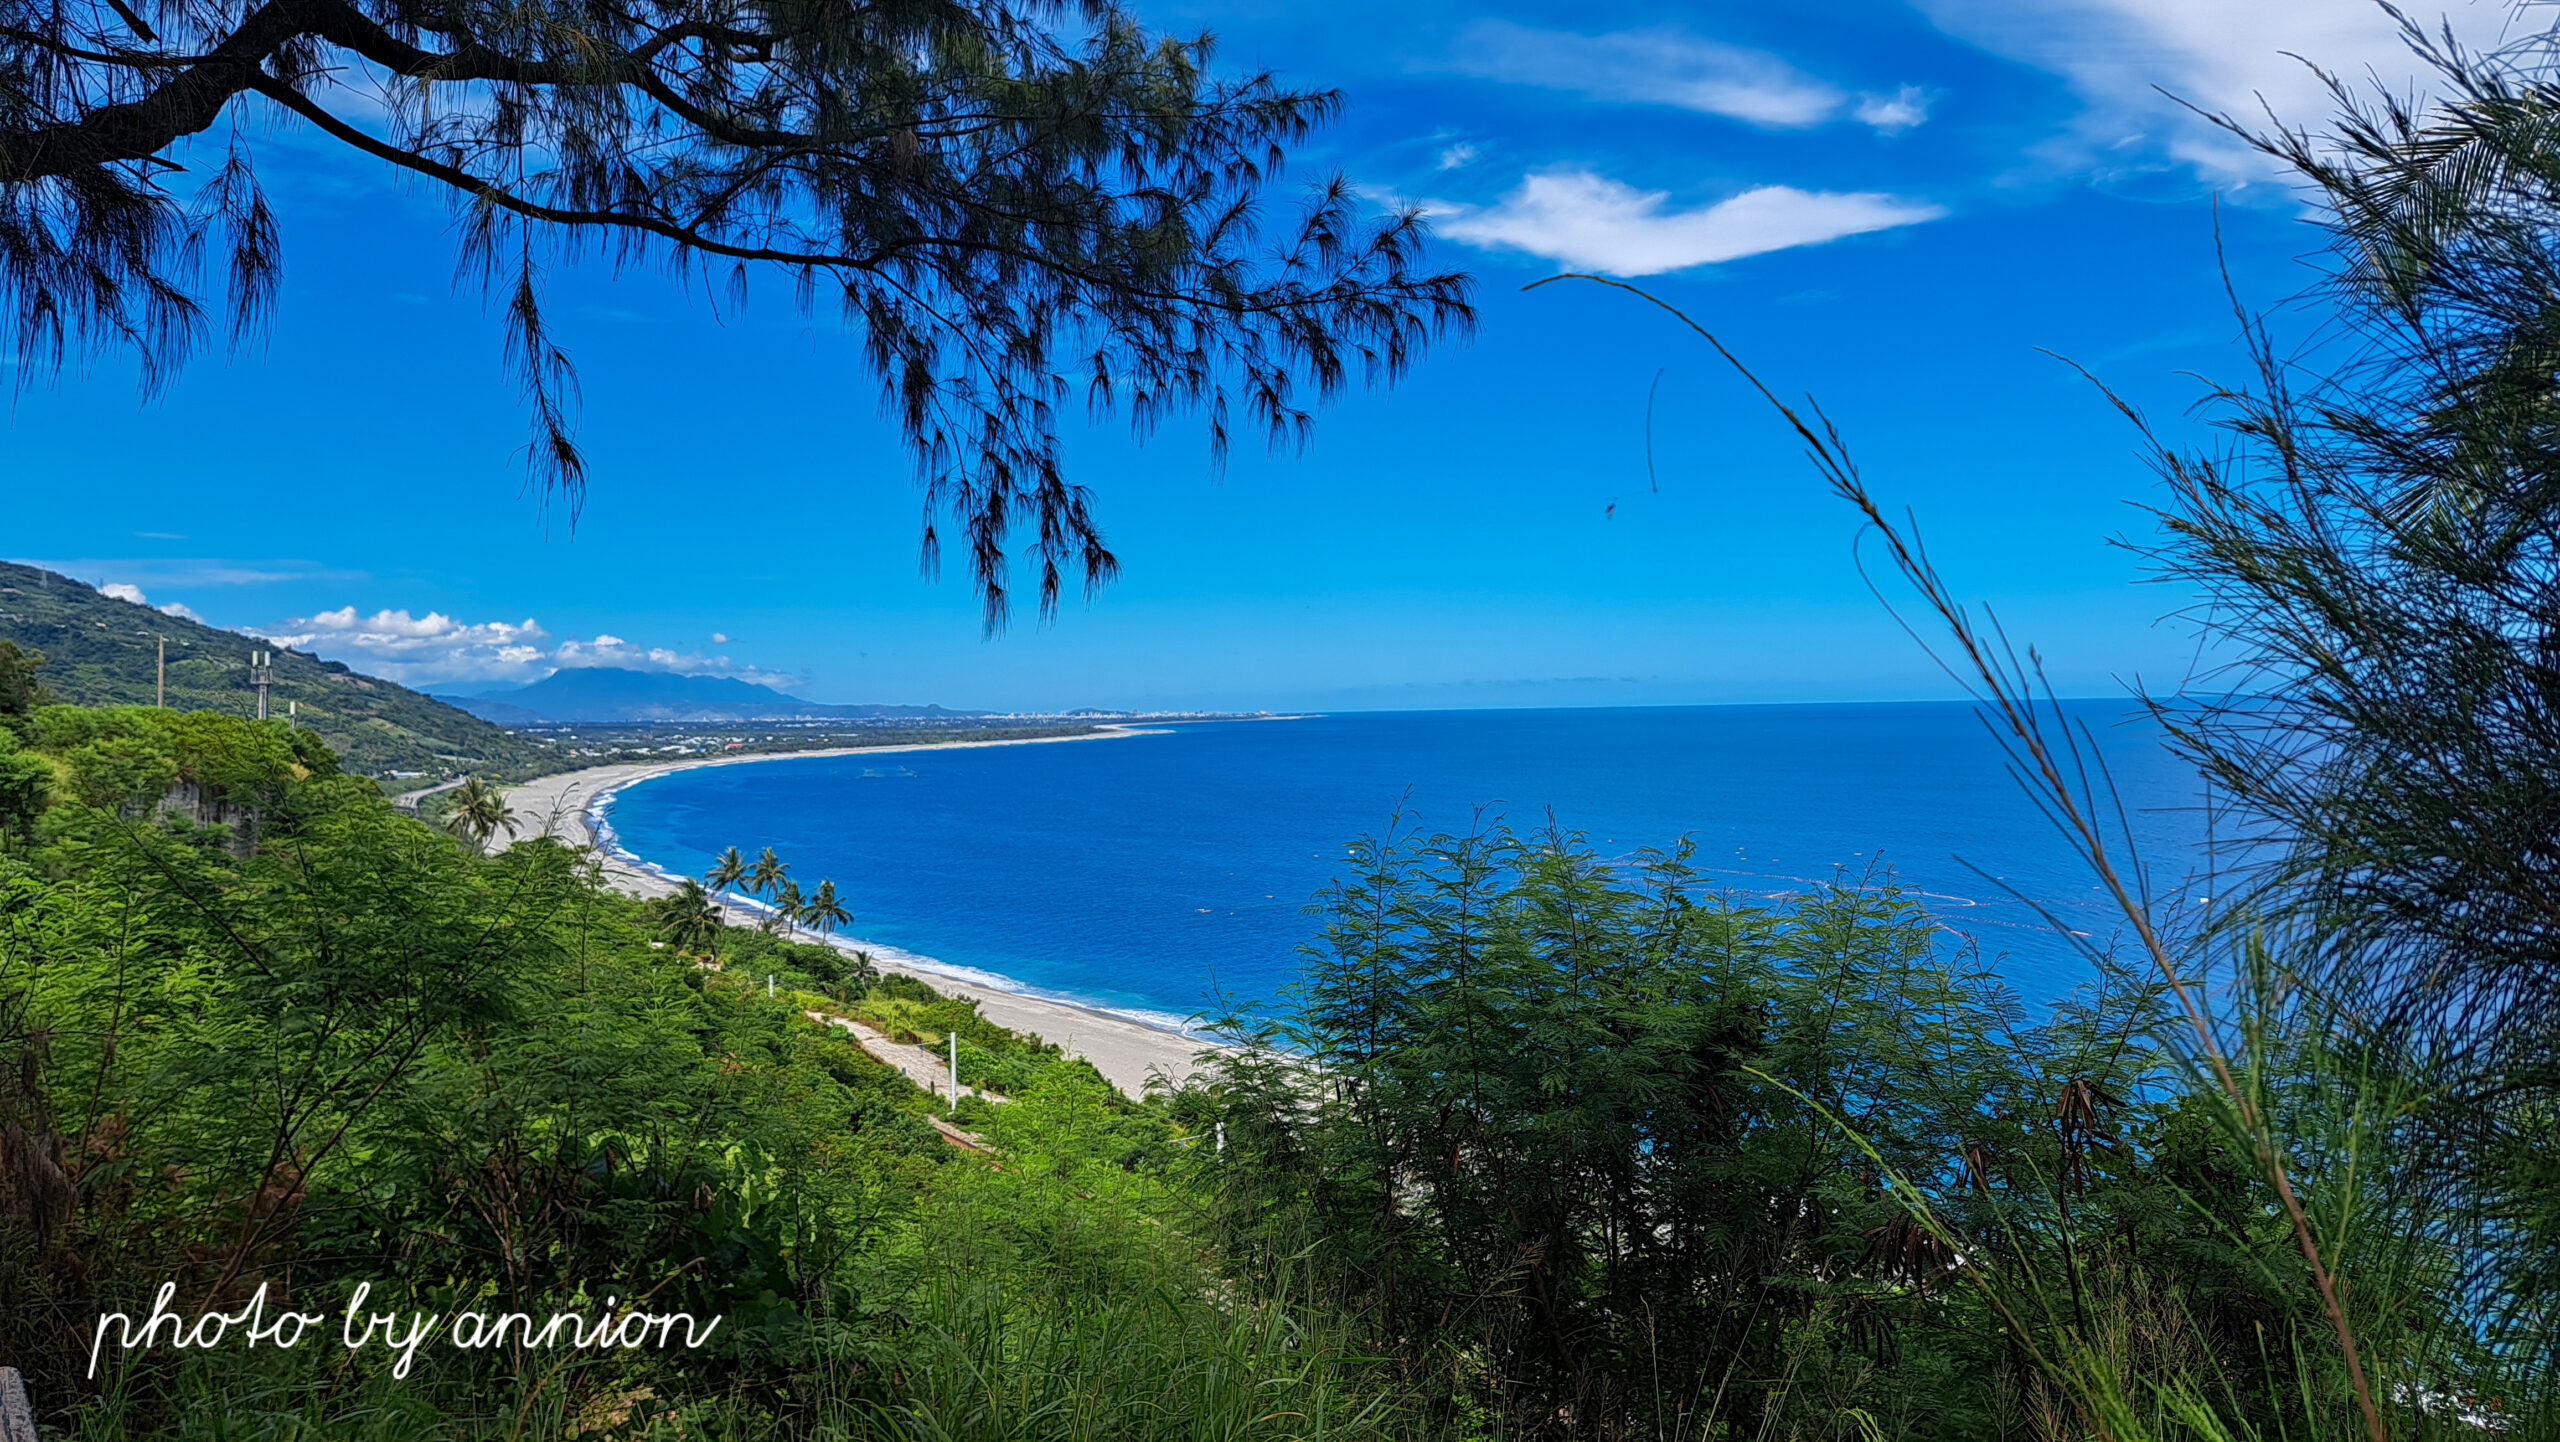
(1126, 1048)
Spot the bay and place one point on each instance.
(1143, 872)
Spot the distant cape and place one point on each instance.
(609, 693)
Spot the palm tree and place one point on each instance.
(767, 872)
(766, 876)
(825, 911)
(787, 905)
(689, 921)
(479, 812)
(862, 973)
(726, 872)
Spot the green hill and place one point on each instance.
(100, 651)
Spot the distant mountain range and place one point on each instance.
(610, 693)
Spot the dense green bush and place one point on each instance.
(1595, 1154)
(27, 784)
(123, 756)
(121, 773)
(359, 1052)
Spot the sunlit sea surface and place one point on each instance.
(1140, 873)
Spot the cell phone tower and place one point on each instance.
(262, 674)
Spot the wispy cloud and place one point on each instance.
(2221, 57)
(1588, 221)
(1457, 156)
(437, 649)
(1663, 65)
(157, 571)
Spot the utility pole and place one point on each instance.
(955, 1073)
(262, 673)
(160, 687)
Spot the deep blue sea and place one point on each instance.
(1135, 873)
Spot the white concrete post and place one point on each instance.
(17, 1419)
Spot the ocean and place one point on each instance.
(1138, 874)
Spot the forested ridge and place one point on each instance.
(103, 651)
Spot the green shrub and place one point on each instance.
(26, 787)
(897, 986)
(230, 756)
(60, 728)
(123, 774)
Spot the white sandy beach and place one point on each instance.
(1125, 1051)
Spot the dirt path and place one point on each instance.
(928, 1069)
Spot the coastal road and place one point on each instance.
(408, 800)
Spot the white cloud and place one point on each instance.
(2221, 56)
(1660, 66)
(437, 649)
(718, 639)
(1895, 113)
(1457, 156)
(418, 649)
(1591, 222)
(127, 591)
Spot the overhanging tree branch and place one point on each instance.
(1001, 210)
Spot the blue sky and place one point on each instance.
(1896, 207)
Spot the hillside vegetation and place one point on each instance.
(359, 1053)
(102, 651)
(1546, 1145)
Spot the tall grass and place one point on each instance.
(2325, 1122)
(1008, 1349)
(981, 1365)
